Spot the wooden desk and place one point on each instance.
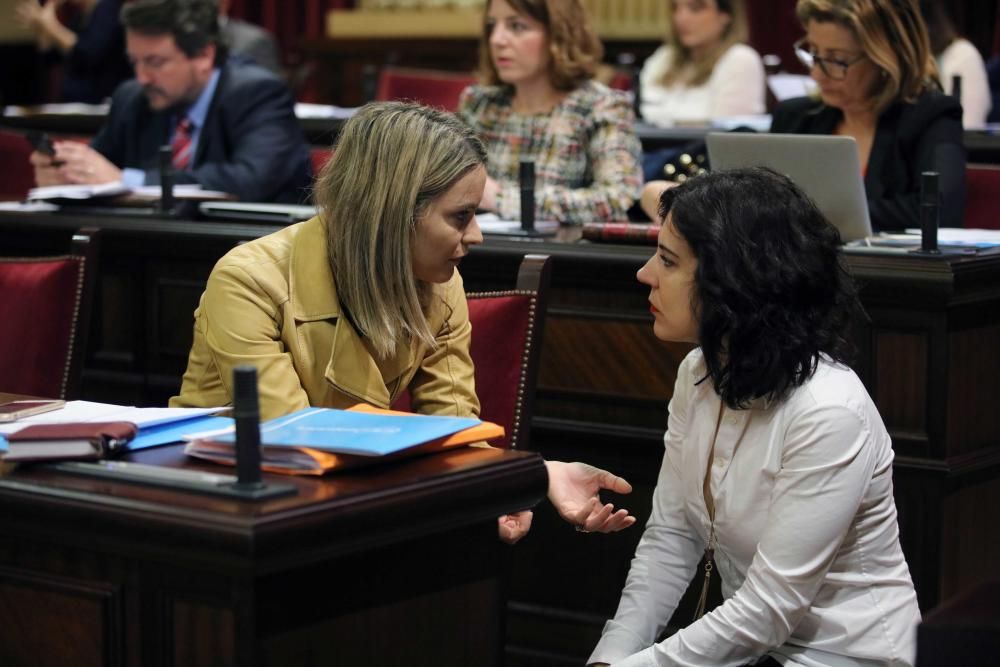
(395, 565)
(929, 357)
(318, 131)
(982, 147)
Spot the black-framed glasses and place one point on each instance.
(835, 68)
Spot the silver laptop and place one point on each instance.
(825, 167)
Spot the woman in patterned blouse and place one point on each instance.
(539, 101)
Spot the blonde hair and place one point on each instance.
(391, 161)
(684, 69)
(892, 35)
(575, 50)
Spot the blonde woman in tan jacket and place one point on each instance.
(364, 301)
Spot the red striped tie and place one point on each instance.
(181, 144)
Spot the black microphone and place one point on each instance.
(246, 412)
(929, 209)
(956, 87)
(526, 179)
(166, 155)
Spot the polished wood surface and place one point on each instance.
(380, 566)
(928, 356)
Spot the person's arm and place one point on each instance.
(241, 324)
(77, 163)
(938, 147)
(49, 30)
(268, 145)
(668, 552)
(574, 490)
(650, 199)
(46, 170)
(962, 59)
(737, 86)
(828, 460)
(612, 151)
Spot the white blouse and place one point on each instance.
(735, 88)
(962, 59)
(808, 543)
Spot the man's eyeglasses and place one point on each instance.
(834, 68)
(152, 63)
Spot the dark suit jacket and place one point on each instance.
(251, 144)
(251, 42)
(909, 139)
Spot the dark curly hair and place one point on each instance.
(771, 293)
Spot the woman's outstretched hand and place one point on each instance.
(574, 490)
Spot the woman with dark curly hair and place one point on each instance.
(777, 465)
(539, 101)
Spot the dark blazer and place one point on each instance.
(909, 139)
(251, 144)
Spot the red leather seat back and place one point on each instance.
(40, 301)
(982, 196)
(501, 327)
(434, 88)
(16, 175)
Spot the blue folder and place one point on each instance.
(349, 432)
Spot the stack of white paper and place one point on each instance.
(78, 191)
(88, 411)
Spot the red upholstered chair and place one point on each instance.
(435, 88)
(621, 80)
(982, 196)
(45, 305)
(319, 156)
(16, 175)
(506, 342)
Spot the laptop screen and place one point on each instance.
(827, 169)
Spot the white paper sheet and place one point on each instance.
(88, 411)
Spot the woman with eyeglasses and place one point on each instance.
(878, 83)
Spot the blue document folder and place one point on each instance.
(359, 433)
(165, 434)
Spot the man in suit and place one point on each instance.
(248, 41)
(230, 126)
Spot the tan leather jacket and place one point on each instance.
(273, 303)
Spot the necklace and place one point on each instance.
(710, 506)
